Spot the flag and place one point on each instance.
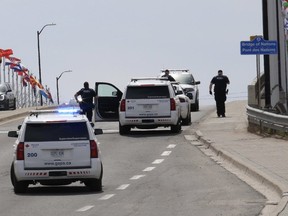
(18, 67)
(13, 60)
(49, 95)
(43, 93)
(32, 81)
(6, 53)
(24, 82)
(25, 78)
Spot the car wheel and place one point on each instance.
(6, 105)
(19, 186)
(14, 104)
(187, 120)
(124, 129)
(95, 184)
(195, 107)
(176, 128)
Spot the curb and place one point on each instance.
(263, 178)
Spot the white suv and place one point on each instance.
(56, 147)
(147, 103)
(189, 85)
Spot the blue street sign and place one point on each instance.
(259, 46)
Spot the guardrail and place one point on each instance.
(267, 122)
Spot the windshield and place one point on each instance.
(183, 78)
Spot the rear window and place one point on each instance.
(56, 132)
(147, 92)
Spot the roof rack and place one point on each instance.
(183, 70)
(149, 78)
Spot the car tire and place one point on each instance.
(14, 104)
(195, 107)
(187, 120)
(95, 184)
(176, 128)
(124, 129)
(6, 105)
(19, 186)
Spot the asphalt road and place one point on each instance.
(145, 173)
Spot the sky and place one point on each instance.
(116, 40)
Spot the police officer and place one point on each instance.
(87, 94)
(167, 74)
(220, 83)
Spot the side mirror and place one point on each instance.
(12, 134)
(92, 124)
(19, 127)
(114, 93)
(197, 82)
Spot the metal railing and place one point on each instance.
(267, 121)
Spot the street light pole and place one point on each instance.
(57, 85)
(39, 62)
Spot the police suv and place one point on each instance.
(56, 147)
(189, 85)
(146, 103)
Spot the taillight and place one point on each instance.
(93, 149)
(172, 104)
(122, 106)
(20, 151)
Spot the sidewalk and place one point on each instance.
(262, 162)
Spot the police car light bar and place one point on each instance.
(56, 111)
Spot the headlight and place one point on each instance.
(190, 95)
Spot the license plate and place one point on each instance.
(147, 106)
(57, 153)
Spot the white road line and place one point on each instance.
(85, 208)
(123, 187)
(136, 177)
(148, 169)
(166, 153)
(106, 197)
(171, 146)
(158, 161)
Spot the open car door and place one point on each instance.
(107, 102)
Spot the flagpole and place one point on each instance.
(17, 91)
(1, 69)
(4, 75)
(13, 80)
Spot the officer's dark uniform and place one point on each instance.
(170, 78)
(220, 84)
(87, 105)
